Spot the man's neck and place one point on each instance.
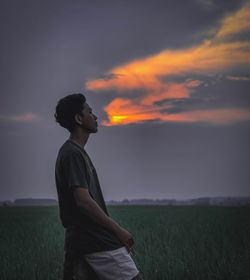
(80, 137)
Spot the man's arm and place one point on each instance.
(85, 202)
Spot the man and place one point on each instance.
(96, 247)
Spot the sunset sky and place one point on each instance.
(168, 80)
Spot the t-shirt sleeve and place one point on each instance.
(75, 171)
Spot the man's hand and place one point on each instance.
(89, 206)
(126, 238)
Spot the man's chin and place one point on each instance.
(95, 130)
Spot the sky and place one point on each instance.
(168, 80)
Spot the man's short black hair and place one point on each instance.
(67, 108)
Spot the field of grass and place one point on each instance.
(172, 243)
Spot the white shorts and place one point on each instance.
(113, 265)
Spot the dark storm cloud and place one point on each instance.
(220, 52)
(47, 44)
(214, 92)
(100, 34)
(215, 5)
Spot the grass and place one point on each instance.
(170, 242)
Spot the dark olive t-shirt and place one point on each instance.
(74, 169)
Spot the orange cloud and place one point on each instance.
(125, 111)
(237, 23)
(146, 75)
(29, 117)
(212, 116)
(234, 78)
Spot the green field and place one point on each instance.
(195, 243)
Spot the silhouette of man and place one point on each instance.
(96, 247)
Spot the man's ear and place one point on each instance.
(78, 118)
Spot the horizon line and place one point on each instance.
(129, 199)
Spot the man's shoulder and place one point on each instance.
(68, 149)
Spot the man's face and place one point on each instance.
(89, 119)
